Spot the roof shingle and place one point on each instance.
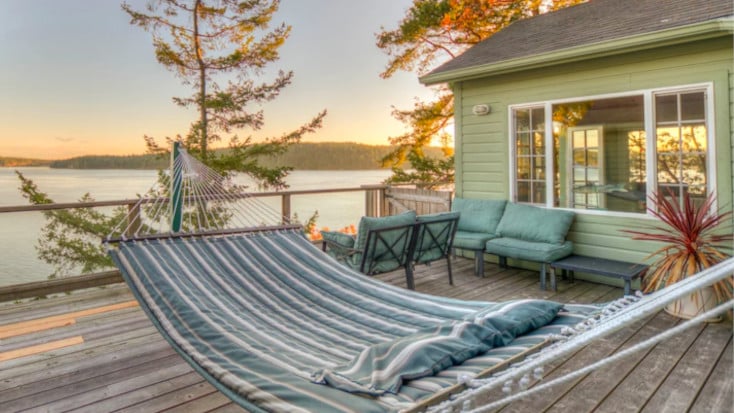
(585, 24)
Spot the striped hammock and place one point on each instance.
(277, 325)
(262, 316)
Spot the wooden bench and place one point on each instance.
(626, 271)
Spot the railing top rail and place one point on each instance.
(122, 202)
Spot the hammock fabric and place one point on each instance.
(277, 325)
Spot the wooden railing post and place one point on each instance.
(373, 200)
(285, 207)
(133, 212)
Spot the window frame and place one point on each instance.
(648, 96)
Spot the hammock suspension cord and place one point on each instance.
(193, 199)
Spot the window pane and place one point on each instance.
(538, 143)
(692, 106)
(539, 192)
(579, 139)
(668, 168)
(523, 143)
(592, 157)
(592, 175)
(592, 138)
(539, 168)
(523, 191)
(523, 168)
(579, 176)
(522, 120)
(693, 169)
(538, 115)
(668, 139)
(694, 138)
(579, 157)
(666, 108)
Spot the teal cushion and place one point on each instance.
(383, 367)
(479, 215)
(471, 240)
(339, 238)
(339, 244)
(527, 250)
(368, 223)
(530, 223)
(437, 216)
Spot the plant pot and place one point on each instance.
(694, 304)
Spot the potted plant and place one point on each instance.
(695, 238)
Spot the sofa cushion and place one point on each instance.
(528, 250)
(479, 215)
(530, 223)
(438, 216)
(471, 240)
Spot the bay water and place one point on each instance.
(20, 231)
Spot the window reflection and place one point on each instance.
(599, 151)
(600, 154)
(681, 143)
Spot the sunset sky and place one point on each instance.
(76, 78)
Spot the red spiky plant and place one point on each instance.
(695, 238)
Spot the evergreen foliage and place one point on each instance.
(433, 31)
(70, 240)
(218, 47)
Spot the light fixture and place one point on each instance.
(481, 110)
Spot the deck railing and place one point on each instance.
(380, 200)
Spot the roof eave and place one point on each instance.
(677, 35)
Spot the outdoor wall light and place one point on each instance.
(481, 110)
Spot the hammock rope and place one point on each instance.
(639, 347)
(208, 203)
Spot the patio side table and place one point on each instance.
(626, 271)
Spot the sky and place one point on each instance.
(77, 79)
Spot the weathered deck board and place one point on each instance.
(125, 365)
(681, 387)
(718, 388)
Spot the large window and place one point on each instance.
(597, 157)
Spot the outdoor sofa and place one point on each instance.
(511, 230)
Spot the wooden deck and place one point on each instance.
(95, 351)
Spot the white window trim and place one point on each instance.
(651, 138)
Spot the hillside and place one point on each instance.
(16, 162)
(304, 156)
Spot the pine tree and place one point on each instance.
(206, 43)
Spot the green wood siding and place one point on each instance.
(482, 142)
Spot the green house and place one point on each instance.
(596, 107)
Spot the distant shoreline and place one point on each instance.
(321, 156)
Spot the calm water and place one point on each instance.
(19, 232)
